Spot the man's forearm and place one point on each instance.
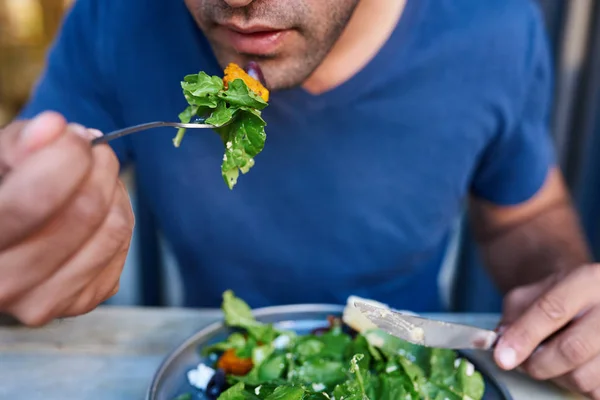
(548, 242)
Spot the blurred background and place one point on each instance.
(27, 28)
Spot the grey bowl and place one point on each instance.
(171, 378)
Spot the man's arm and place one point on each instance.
(531, 239)
(525, 243)
(551, 313)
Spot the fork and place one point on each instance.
(149, 125)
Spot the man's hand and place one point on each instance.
(66, 221)
(562, 311)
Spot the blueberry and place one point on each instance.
(216, 385)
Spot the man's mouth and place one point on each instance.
(256, 39)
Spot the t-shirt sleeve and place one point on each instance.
(515, 164)
(77, 79)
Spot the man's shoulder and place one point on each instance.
(521, 14)
(508, 28)
(501, 41)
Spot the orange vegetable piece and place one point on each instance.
(233, 365)
(233, 72)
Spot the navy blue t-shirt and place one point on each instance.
(357, 189)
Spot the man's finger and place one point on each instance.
(118, 229)
(585, 378)
(100, 289)
(43, 183)
(65, 234)
(574, 347)
(86, 133)
(553, 310)
(520, 299)
(61, 291)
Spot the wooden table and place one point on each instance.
(113, 352)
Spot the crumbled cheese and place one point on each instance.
(257, 390)
(282, 342)
(457, 362)
(391, 368)
(229, 144)
(470, 369)
(200, 376)
(318, 387)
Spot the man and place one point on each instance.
(384, 117)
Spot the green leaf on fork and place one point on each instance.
(235, 111)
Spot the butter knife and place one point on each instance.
(428, 332)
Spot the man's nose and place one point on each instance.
(238, 3)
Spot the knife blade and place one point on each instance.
(428, 332)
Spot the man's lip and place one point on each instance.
(251, 29)
(257, 40)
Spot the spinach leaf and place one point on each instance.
(272, 368)
(287, 393)
(335, 342)
(457, 382)
(222, 115)
(238, 94)
(235, 341)
(202, 85)
(308, 348)
(319, 370)
(392, 387)
(468, 381)
(238, 392)
(238, 314)
(244, 138)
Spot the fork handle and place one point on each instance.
(126, 131)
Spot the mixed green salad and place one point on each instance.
(232, 104)
(260, 361)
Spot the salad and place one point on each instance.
(347, 360)
(233, 104)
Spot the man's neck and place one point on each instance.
(367, 32)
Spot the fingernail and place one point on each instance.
(507, 357)
(95, 133)
(84, 132)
